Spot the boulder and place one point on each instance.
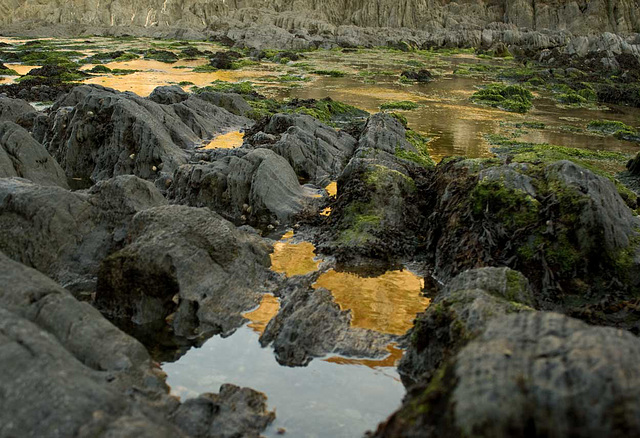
(258, 185)
(459, 314)
(66, 234)
(532, 371)
(187, 265)
(22, 156)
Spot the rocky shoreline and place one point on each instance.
(526, 248)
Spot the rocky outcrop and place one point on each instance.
(532, 371)
(187, 265)
(311, 324)
(233, 412)
(255, 186)
(68, 372)
(566, 228)
(97, 133)
(377, 204)
(22, 156)
(460, 313)
(317, 152)
(66, 234)
(592, 16)
(12, 110)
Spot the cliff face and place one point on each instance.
(578, 17)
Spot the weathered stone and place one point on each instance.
(186, 262)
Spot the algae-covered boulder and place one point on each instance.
(563, 226)
(378, 206)
(532, 372)
(460, 313)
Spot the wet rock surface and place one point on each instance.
(498, 385)
(96, 133)
(187, 265)
(66, 234)
(22, 156)
(311, 324)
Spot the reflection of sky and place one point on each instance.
(321, 400)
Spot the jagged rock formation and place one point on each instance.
(188, 265)
(583, 18)
(66, 234)
(67, 371)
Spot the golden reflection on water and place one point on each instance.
(22, 69)
(293, 258)
(260, 317)
(153, 74)
(229, 140)
(391, 360)
(387, 303)
(332, 188)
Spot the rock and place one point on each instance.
(311, 324)
(12, 110)
(232, 102)
(418, 76)
(168, 95)
(459, 314)
(377, 204)
(232, 413)
(65, 235)
(184, 261)
(570, 233)
(108, 133)
(530, 371)
(317, 152)
(224, 60)
(22, 156)
(260, 178)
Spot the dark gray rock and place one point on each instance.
(232, 102)
(187, 265)
(232, 413)
(532, 371)
(168, 95)
(258, 185)
(106, 133)
(22, 156)
(12, 110)
(65, 235)
(459, 314)
(311, 324)
(317, 152)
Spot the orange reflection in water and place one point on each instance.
(293, 258)
(260, 317)
(395, 354)
(332, 188)
(229, 140)
(387, 303)
(153, 74)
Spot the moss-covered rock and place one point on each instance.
(513, 98)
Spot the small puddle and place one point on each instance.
(323, 399)
(387, 303)
(229, 140)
